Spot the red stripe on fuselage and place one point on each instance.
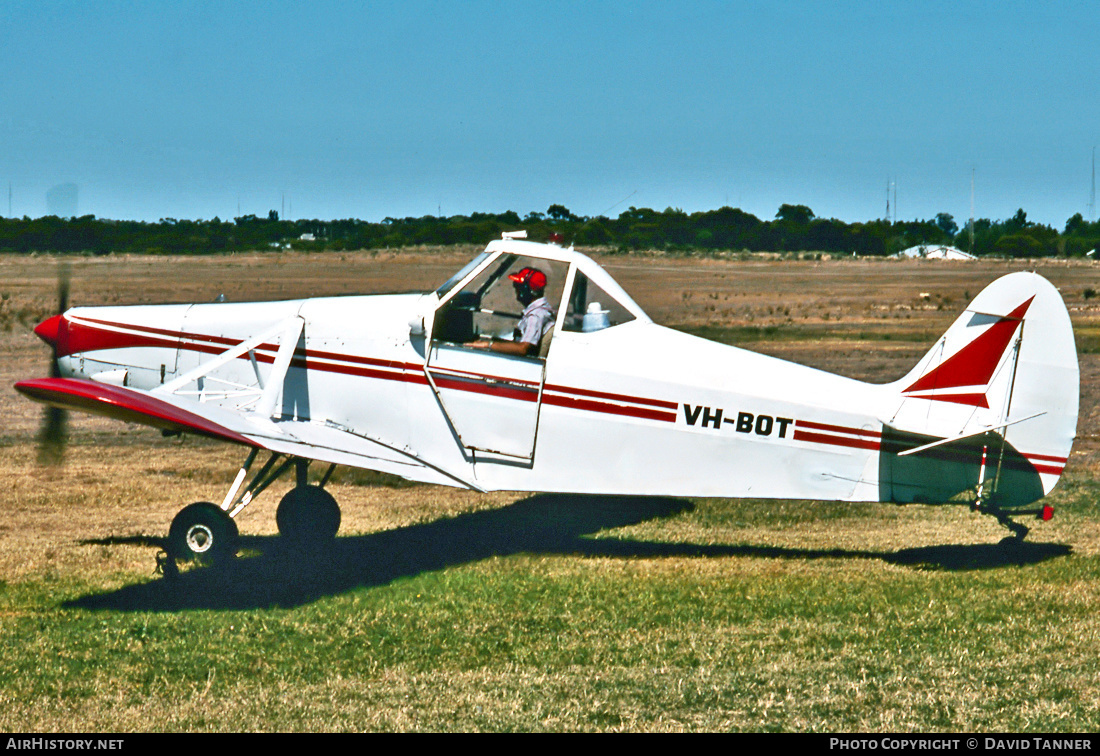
(609, 409)
(476, 386)
(821, 438)
(78, 337)
(965, 456)
(1047, 458)
(837, 429)
(615, 397)
(92, 339)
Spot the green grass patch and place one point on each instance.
(543, 615)
(1088, 340)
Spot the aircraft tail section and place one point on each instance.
(992, 407)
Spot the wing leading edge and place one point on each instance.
(125, 404)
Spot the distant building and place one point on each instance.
(934, 252)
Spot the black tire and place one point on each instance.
(308, 516)
(203, 532)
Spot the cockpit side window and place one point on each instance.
(591, 308)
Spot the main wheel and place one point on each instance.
(308, 516)
(203, 532)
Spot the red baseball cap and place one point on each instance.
(533, 277)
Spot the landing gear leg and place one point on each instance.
(1019, 531)
(308, 516)
(206, 533)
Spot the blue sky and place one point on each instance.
(374, 109)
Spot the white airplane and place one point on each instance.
(609, 403)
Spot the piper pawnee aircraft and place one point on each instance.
(611, 403)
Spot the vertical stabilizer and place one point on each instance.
(1003, 383)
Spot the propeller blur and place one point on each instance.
(52, 436)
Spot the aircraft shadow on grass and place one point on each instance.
(271, 574)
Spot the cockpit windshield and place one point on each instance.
(486, 306)
(453, 280)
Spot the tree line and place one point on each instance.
(795, 228)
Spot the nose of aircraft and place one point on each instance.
(49, 330)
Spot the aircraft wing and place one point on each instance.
(169, 412)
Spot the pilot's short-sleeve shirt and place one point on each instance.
(537, 319)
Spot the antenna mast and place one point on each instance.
(971, 223)
(1092, 194)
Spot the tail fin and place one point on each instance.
(994, 400)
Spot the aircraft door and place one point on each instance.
(492, 402)
(492, 399)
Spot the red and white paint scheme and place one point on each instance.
(612, 404)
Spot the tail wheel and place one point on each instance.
(308, 516)
(203, 532)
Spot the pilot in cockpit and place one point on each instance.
(537, 318)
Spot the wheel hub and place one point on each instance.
(199, 538)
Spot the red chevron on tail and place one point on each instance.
(964, 376)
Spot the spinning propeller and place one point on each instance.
(52, 436)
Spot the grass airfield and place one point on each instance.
(441, 609)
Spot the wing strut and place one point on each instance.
(287, 332)
(292, 331)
